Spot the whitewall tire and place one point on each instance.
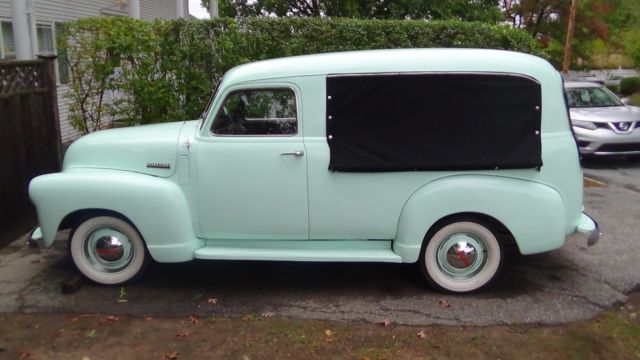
(108, 250)
(461, 256)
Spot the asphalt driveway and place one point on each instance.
(568, 284)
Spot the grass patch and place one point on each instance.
(615, 334)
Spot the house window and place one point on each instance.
(45, 40)
(7, 47)
(63, 61)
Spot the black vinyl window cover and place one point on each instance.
(433, 121)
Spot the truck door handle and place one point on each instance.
(294, 153)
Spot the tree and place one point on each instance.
(602, 27)
(531, 14)
(468, 10)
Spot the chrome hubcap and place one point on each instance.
(461, 256)
(108, 250)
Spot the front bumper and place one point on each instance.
(587, 229)
(607, 142)
(35, 238)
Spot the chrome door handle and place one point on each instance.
(294, 153)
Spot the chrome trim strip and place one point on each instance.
(152, 165)
(637, 152)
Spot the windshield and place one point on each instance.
(592, 97)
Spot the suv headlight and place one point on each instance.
(584, 124)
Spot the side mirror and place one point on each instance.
(625, 100)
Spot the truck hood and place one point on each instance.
(606, 114)
(147, 149)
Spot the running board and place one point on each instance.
(302, 250)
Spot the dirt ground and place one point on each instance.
(615, 334)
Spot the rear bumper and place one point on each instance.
(588, 230)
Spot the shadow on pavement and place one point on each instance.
(610, 162)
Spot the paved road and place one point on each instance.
(568, 284)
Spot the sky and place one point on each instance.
(197, 10)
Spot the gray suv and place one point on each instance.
(603, 125)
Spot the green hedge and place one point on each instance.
(166, 70)
(629, 85)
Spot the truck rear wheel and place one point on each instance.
(461, 256)
(108, 250)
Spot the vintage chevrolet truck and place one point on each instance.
(440, 157)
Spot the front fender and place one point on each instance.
(156, 206)
(533, 212)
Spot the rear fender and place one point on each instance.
(532, 212)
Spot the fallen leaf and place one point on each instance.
(633, 315)
(123, 292)
(110, 318)
(171, 356)
(438, 346)
(35, 261)
(194, 319)
(212, 301)
(85, 358)
(365, 358)
(183, 335)
(385, 322)
(421, 334)
(247, 318)
(444, 303)
(122, 300)
(24, 355)
(91, 333)
(147, 318)
(328, 332)
(267, 314)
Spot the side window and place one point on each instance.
(7, 47)
(257, 112)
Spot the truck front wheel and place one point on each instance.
(108, 250)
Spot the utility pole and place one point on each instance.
(566, 60)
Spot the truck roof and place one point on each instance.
(393, 60)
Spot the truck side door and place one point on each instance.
(251, 169)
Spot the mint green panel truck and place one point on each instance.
(440, 157)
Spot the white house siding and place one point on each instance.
(5, 9)
(49, 11)
(158, 9)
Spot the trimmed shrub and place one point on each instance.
(629, 85)
(166, 70)
(615, 88)
(634, 99)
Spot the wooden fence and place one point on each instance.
(29, 138)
